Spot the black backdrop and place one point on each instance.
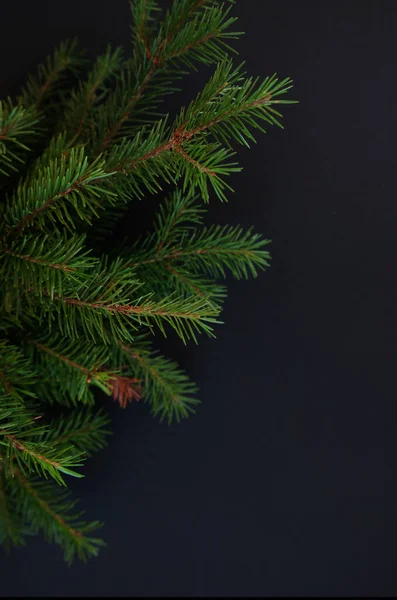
(284, 481)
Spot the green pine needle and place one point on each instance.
(79, 148)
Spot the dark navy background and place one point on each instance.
(284, 482)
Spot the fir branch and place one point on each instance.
(91, 92)
(187, 284)
(179, 214)
(17, 377)
(214, 250)
(112, 297)
(141, 11)
(50, 509)
(204, 164)
(197, 28)
(187, 316)
(69, 368)
(68, 188)
(11, 526)
(21, 439)
(139, 90)
(83, 428)
(231, 104)
(44, 263)
(18, 126)
(35, 457)
(76, 320)
(51, 74)
(228, 108)
(165, 386)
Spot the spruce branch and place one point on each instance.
(187, 317)
(32, 457)
(178, 214)
(51, 74)
(18, 128)
(187, 284)
(74, 320)
(90, 93)
(190, 32)
(49, 509)
(44, 263)
(12, 528)
(227, 109)
(165, 386)
(69, 368)
(17, 377)
(195, 30)
(22, 446)
(86, 429)
(112, 297)
(179, 243)
(68, 188)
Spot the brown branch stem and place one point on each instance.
(49, 81)
(19, 446)
(47, 204)
(157, 63)
(89, 374)
(179, 276)
(127, 309)
(181, 253)
(39, 261)
(195, 163)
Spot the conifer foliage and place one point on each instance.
(80, 144)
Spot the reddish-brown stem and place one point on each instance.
(157, 62)
(49, 81)
(202, 40)
(180, 22)
(47, 204)
(112, 131)
(90, 98)
(89, 374)
(19, 446)
(143, 35)
(195, 163)
(127, 309)
(180, 253)
(39, 261)
(224, 115)
(182, 135)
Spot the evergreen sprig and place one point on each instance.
(166, 387)
(44, 507)
(85, 428)
(79, 147)
(18, 128)
(51, 75)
